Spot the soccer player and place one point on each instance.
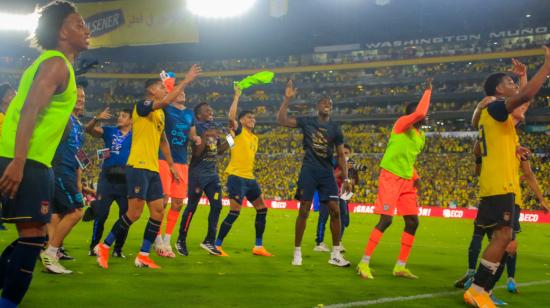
(344, 211)
(6, 95)
(179, 128)
(204, 178)
(398, 183)
(68, 200)
(142, 175)
(498, 141)
(321, 136)
(241, 181)
(32, 129)
(111, 185)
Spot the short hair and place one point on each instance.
(82, 82)
(491, 83)
(52, 16)
(324, 97)
(410, 108)
(150, 82)
(244, 113)
(198, 107)
(128, 111)
(347, 146)
(4, 88)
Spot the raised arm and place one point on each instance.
(532, 87)
(92, 128)
(406, 122)
(52, 77)
(519, 69)
(282, 115)
(233, 124)
(193, 73)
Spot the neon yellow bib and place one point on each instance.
(51, 121)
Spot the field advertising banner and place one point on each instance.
(138, 22)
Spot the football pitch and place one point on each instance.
(243, 280)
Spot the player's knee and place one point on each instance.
(176, 205)
(303, 214)
(76, 215)
(133, 214)
(411, 224)
(384, 222)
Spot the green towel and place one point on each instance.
(256, 79)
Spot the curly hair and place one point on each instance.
(51, 19)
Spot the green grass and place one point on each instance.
(243, 280)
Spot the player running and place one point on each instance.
(32, 130)
(204, 178)
(142, 175)
(241, 181)
(321, 136)
(111, 185)
(498, 141)
(179, 128)
(398, 184)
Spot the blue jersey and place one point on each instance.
(319, 141)
(119, 146)
(204, 165)
(65, 155)
(177, 125)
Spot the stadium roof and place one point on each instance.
(311, 23)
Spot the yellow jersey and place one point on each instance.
(498, 140)
(243, 154)
(147, 129)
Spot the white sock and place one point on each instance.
(167, 238)
(298, 250)
(158, 239)
(477, 288)
(258, 246)
(52, 251)
(336, 249)
(144, 253)
(492, 266)
(401, 263)
(365, 259)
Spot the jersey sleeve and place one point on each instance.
(107, 132)
(144, 107)
(497, 111)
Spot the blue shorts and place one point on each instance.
(238, 187)
(32, 201)
(143, 184)
(66, 198)
(313, 179)
(196, 183)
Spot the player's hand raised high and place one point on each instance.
(290, 90)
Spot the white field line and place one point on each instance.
(420, 296)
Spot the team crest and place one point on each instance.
(386, 207)
(137, 189)
(507, 216)
(44, 207)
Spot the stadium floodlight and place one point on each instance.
(18, 22)
(219, 8)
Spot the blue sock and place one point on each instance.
(19, 269)
(226, 226)
(151, 231)
(474, 250)
(261, 215)
(213, 217)
(511, 265)
(4, 261)
(121, 226)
